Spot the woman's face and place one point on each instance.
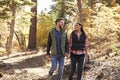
(77, 27)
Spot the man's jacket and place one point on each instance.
(51, 44)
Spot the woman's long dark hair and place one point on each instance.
(82, 30)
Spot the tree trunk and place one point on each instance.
(21, 40)
(62, 6)
(10, 37)
(118, 1)
(33, 28)
(80, 11)
(17, 39)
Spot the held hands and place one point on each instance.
(67, 55)
(48, 57)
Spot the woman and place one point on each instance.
(77, 44)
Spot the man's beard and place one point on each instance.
(60, 27)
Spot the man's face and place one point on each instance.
(61, 23)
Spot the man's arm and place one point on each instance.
(49, 43)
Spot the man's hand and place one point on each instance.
(48, 57)
(67, 55)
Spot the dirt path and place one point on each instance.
(32, 65)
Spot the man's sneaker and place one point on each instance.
(49, 77)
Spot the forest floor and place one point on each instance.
(32, 65)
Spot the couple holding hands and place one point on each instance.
(59, 47)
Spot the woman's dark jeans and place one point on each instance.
(77, 60)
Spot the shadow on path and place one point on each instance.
(33, 62)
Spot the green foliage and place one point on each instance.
(6, 6)
(107, 2)
(3, 32)
(118, 34)
(59, 0)
(115, 48)
(118, 1)
(25, 2)
(63, 8)
(22, 18)
(23, 21)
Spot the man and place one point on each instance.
(58, 44)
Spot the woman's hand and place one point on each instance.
(67, 55)
(48, 57)
(86, 58)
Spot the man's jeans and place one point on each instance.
(57, 59)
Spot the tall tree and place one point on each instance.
(33, 28)
(12, 23)
(8, 12)
(79, 5)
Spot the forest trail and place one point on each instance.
(32, 65)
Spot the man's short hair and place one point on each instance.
(58, 20)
